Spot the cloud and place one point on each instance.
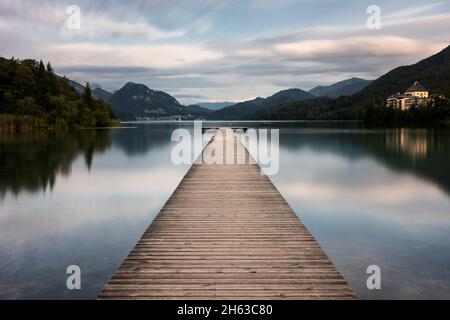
(45, 17)
(202, 25)
(156, 56)
(189, 96)
(270, 4)
(415, 10)
(210, 48)
(96, 27)
(384, 46)
(253, 53)
(106, 69)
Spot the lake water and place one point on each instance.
(369, 196)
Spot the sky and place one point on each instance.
(223, 50)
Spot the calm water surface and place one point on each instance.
(369, 196)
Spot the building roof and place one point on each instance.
(416, 87)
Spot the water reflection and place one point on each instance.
(374, 197)
(33, 162)
(422, 152)
(144, 138)
(413, 143)
(370, 196)
(83, 198)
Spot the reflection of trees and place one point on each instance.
(146, 137)
(32, 162)
(425, 153)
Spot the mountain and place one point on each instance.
(97, 91)
(240, 110)
(141, 101)
(249, 109)
(343, 88)
(290, 95)
(102, 94)
(197, 111)
(433, 73)
(137, 100)
(93, 85)
(215, 105)
(78, 87)
(314, 109)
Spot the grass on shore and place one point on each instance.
(23, 123)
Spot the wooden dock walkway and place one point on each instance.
(227, 233)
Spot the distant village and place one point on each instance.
(417, 95)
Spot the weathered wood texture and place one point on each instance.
(227, 233)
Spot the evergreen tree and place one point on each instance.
(42, 70)
(87, 96)
(50, 68)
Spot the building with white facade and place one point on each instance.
(416, 95)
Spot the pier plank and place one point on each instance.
(227, 233)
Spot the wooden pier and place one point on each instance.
(227, 233)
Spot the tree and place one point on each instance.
(28, 106)
(42, 70)
(30, 93)
(50, 68)
(24, 81)
(87, 96)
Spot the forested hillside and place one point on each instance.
(370, 103)
(32, 95)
